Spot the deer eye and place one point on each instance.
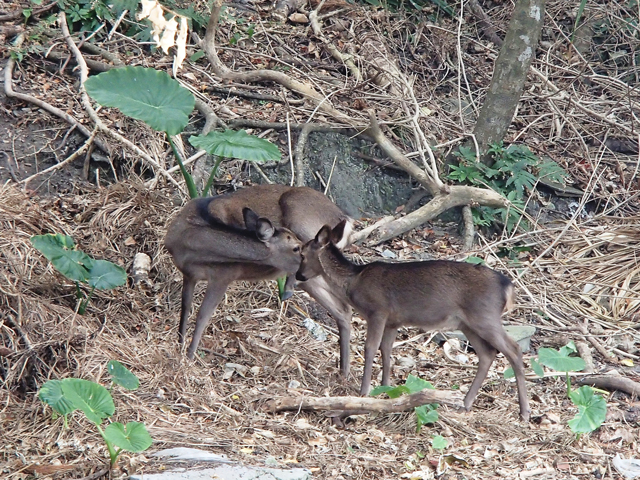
(296, 249)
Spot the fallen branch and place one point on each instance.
(366, 404)
(585, 353)
(610, 382)
(347, 60)
(458, 196)
(469, 230)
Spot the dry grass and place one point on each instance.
(581, 272)
(189, 403)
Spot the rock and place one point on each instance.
(227, 471)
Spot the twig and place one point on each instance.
(10, 167)
(19, 14)
(333, 50)
(610, 382)
(96, 475)
(8, 90)
(469, 230)
(67, 160)
(298, 154)
(585, 354)
(18, 329)
(209, 46)
(365, 232)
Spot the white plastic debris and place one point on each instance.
(315, 329)
(628, 468)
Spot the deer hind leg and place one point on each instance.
(188, 285)
(510, 349)
(339, 309)
(486, 355)
(213, 295)
(388, 337)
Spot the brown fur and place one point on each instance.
(208, 242)
(432, 295)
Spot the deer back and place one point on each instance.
(302, 210)
(198, 242)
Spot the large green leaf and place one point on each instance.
(122, 376)
(93, 399)
(59, 249)
(133, 437)
(560, 361)
(51, 394)
(392, 392)
(232, 144)
(105, 275)
(416, 384)
(144, 94)
(592, 410)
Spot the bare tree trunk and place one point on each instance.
(510, 72)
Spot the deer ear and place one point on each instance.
(338, 232)
(323, 236)
(250, 219)
(264, 229)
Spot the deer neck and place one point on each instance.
(338, 269)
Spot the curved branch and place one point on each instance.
(457, 196)
(9, 92)
(209, 46)
(367, 404)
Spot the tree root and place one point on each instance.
(209, 47)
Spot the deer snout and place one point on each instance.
(301, 277)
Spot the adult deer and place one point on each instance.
(208, 242)
(433, 295)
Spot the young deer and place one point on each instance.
(433, 295)
(208, 242)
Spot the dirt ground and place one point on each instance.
(579, 273)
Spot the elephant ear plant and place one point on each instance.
(70, 394)
(78, 266)
(163, 104)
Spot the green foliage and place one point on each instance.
(424, 413)
(79, 267)
(144, 94)
(163, 104)
(120, 375)
(70, 394)
(236, 144)
(560, 360)
(515, 172)
(418, 5)
(87, 15)
(592, 408)
(438, 442)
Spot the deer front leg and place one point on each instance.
(388, 338)
(375, 331)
